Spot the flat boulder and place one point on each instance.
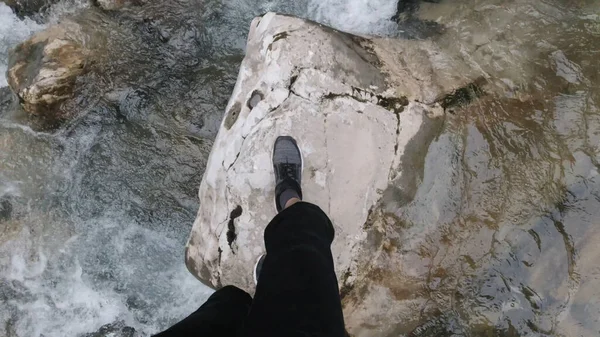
(43, 73)
(364, 112)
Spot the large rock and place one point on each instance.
(43, 72)
(364, 112)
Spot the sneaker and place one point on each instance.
(258, 268)
(287, 164)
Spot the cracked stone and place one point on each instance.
(356, 123)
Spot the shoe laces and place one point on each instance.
(289, 170)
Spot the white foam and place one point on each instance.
(72, 307)
(8, 188)
(12, 31)
(370, 17)
(55, 296)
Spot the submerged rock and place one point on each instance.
(364, 112)
(43, 71)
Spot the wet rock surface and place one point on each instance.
(166, 65)
(43, 72)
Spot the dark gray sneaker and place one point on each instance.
(287, 164)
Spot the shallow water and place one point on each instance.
(501, 230)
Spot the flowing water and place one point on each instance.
(504, 224)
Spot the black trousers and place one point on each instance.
(297, 292)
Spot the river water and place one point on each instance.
(504, 224)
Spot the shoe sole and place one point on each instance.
(256, 266)
(301, 162)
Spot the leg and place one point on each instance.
(297, 292)
(222, 315)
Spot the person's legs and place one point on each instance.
(222, 315)
(297, 292)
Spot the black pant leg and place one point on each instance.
(222, 315)
(297, 293)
